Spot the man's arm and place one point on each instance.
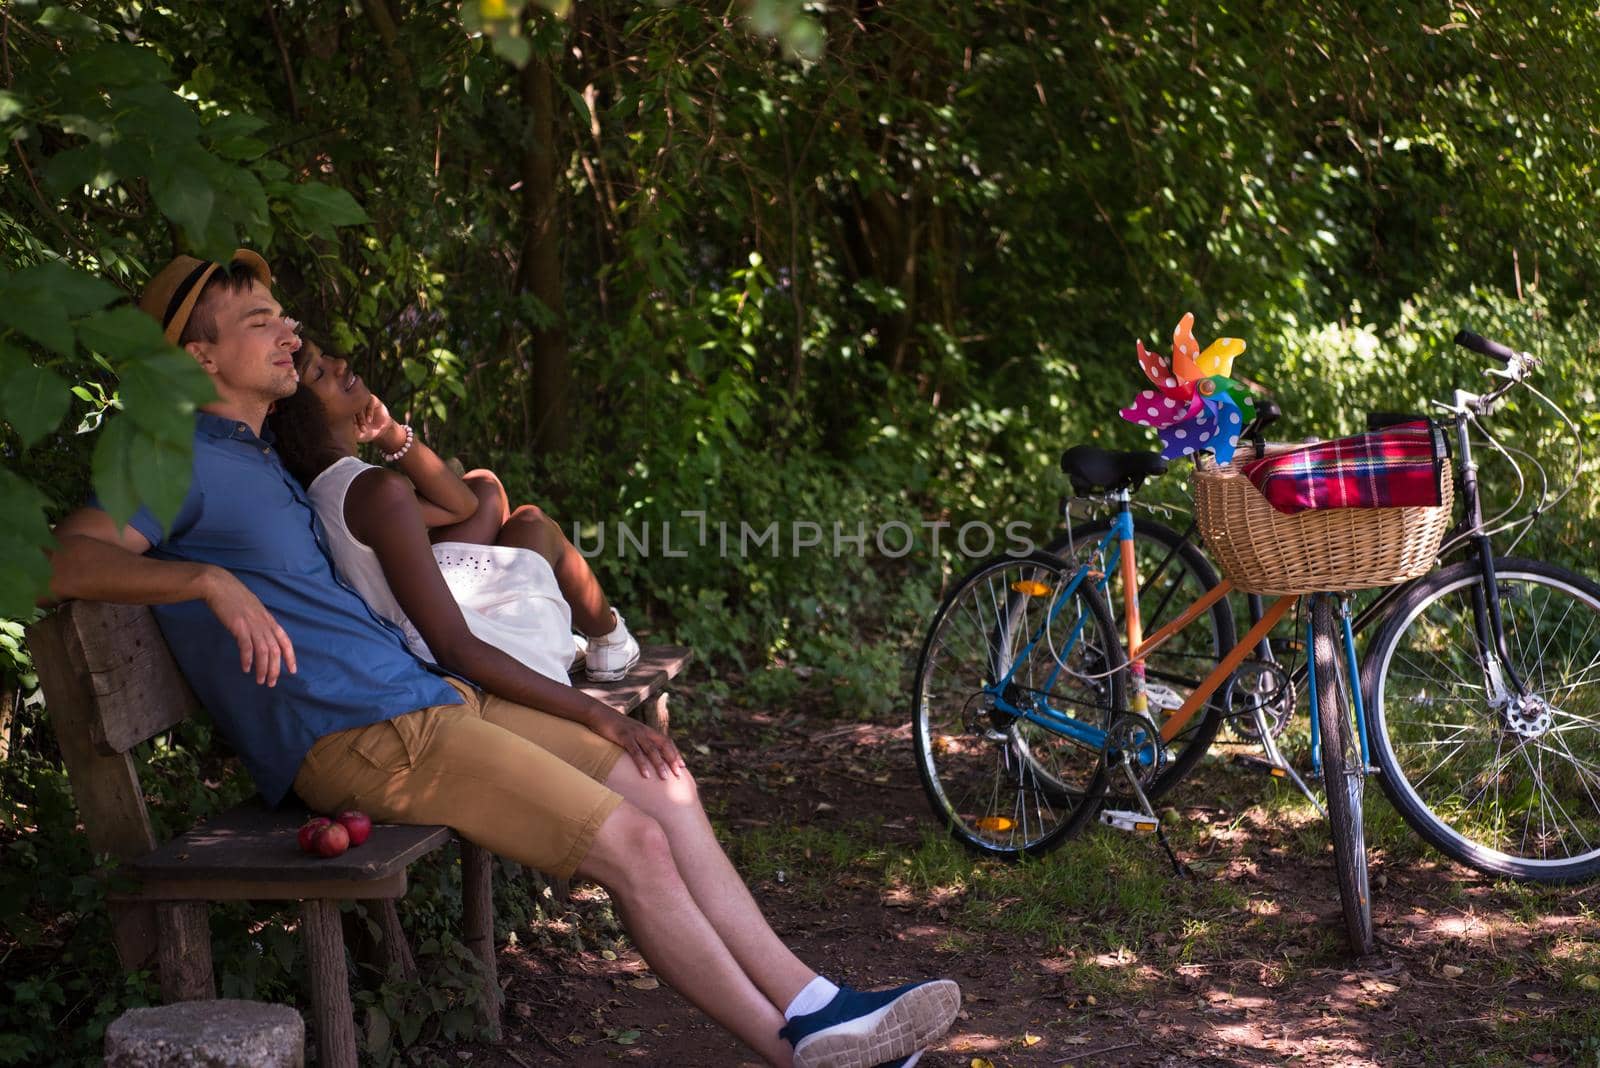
(98, 562)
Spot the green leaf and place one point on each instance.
(69, 171)
(516, 50)
(161, 470)
(122, 333)
(32, 398)
(40, 301)
(161, 392)
(113, 471)
(320, 208)
(185, 197)
(24, 535)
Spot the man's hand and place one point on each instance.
(375, 422)
(648, 748)
(263, 645)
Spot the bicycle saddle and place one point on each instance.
(1092, 469)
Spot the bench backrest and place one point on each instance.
(109, 683)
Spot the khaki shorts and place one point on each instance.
(519, 782)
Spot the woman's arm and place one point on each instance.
(384, 513)
(444, 498)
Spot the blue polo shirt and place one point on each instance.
(246, 513)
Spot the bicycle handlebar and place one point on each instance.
(1482, 345)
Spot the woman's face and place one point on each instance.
(341, 391)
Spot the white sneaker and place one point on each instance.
(611, 655)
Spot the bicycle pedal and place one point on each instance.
(1259, 764)
(1128, 820)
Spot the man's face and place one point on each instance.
(252, 359)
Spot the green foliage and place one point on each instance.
(864, 265)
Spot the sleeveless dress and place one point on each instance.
(507, 595)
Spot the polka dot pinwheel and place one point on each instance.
(1195, 405)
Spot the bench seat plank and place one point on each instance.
(254, 844)
(657, 666)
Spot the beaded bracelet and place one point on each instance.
(411, 438)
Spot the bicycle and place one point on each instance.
(1023, 725)
(1445, 775)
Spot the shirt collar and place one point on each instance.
(218, 426)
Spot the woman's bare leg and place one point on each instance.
(529, 528)
(483, 526)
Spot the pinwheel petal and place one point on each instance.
(1218, 357)
(1159, 371)
(1186, 350)
(1229, 424)
(1150, 408)
(1236, 392)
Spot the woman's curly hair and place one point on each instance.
(299, 424)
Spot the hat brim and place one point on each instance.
(180, 317)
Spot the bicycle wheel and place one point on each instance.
(1009, 643)
(1512, 789)
(1342, 773)
(1173, 574)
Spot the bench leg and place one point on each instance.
(183, 952)
(330, 984)
(653, 713)
(477, 921)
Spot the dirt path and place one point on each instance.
(818, 816)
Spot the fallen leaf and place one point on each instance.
(1589, 982)
(1030, 1039)
(981, 1062)
(645, 982)
(608, 954)
(1531, 996)
(1452, 971)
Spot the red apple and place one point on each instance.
(331, 840)
(309, 831)
(357, 823)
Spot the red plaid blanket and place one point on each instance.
(1395, 467)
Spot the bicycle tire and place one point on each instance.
(1500, 798)
(1003, 785)
(1188, 657)
(1343, 775)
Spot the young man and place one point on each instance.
(320, 696)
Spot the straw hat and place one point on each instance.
(171, 295)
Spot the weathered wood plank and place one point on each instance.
(477, 924)
(390, 886)
(255, 844)
(657, 666)
(106, 787)
(332, 1013)
(138, 690)
(184, 961)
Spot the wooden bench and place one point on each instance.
(110, 683)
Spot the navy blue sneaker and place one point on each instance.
(868, 1029)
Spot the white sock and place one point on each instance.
(816, 995)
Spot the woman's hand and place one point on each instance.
(649, 748)
(376, 424)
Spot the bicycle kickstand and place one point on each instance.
(1143, 821)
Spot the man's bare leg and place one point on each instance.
(633, 859)
(716, 885)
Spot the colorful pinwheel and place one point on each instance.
(1195, 405)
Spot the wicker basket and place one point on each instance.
(1321, 551)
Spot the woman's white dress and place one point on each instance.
(508, 596)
